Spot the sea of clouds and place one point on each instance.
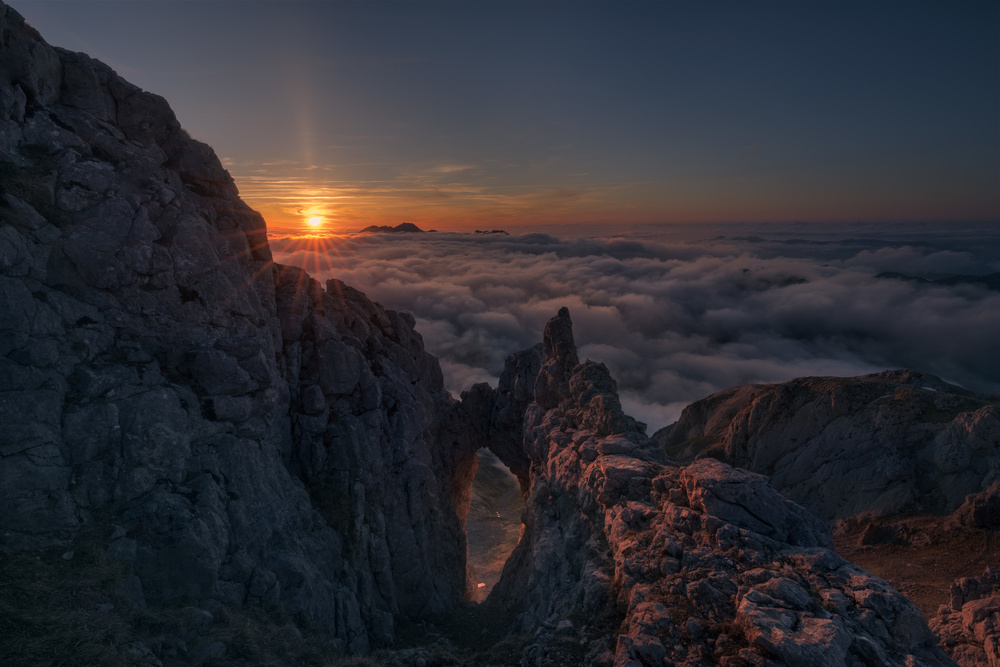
(678, 313)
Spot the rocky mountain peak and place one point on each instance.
(558, 340)
(560, 359)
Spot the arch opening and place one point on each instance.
(493, 525)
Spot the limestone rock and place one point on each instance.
(243, 435)
(969, 626)
(883, 444)
(704, 564)
(980, 510)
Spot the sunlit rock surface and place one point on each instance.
(980, 510)
(888, 443)
(644, 562)
(969, 626)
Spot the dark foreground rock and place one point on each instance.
(225, 428)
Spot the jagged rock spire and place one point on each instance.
(560, 360)
(558, 340)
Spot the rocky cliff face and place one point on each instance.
(888, 443)
(644, 562)
(235, 432)
(228, 434)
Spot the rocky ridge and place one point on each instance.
(401, 228)
(646, 562)
(889, 443)
(904, 465)
(227, 434)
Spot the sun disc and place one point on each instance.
(315, 221)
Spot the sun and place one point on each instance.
(315, 221)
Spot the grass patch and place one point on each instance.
(77, 611)
(372, 660)
(49, 612)
(687, 451)
(473, 635)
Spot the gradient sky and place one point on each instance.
(519, 115)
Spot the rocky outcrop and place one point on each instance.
(980, 510)
(376, 441)
(887, 443)
(865, 453)
(230, 430)
(644, 562)
(969, 626)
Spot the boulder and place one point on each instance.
(980, 510)
(969, 626)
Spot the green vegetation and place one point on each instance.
(64, 610)
(49, 609)
(686, 451)
(474, 635)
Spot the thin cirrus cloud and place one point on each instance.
(676, 320)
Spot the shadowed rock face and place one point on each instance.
(887, 443)
(234, 432)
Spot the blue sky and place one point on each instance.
(514, 114)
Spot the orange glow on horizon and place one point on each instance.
(302, 205)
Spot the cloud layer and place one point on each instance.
(676, 321)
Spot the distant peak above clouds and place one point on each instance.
(403, 227)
